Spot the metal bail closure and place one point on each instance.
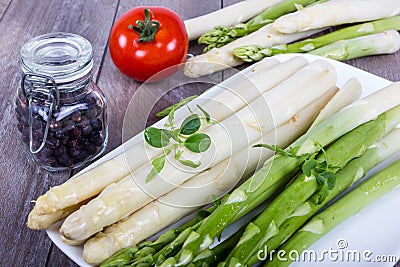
(36, 87)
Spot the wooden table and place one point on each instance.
(21, 179)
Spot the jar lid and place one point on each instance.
(63, 56)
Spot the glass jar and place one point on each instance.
(60, 110)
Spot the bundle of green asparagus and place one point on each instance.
(324, 162)
(273, 30)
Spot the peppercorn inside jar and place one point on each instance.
(61, 112)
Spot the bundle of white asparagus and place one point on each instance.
(250, 112)
(292, 27)
(92, 182)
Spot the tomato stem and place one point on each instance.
(146, 28)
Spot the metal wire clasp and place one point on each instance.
(37, 87)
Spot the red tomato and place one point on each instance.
(142, 59)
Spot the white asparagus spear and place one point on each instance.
(222, 58)
(91, 183)
(336, 12)
(120, 199)
(246, 90)
(161, 213)
(386, 42)
(41, 222)
(227, 16)
(350, 92)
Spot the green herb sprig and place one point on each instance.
(186, 136)
(323, 172)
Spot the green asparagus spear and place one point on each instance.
(121, 258)
(256, 53)
(350, 174)
(351, 203)
(210, 257)
(127, 256)
(221, 36)
(247, 195)
(172, 248)
(349, 146)
(387, 42)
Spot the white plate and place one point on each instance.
(373, 231)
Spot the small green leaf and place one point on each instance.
(216, 201)
(166, 132)
(189, 163)
(201, 214)
(198, 143)
(321, 167)
(320, 179)
(156, 137)
(330, 179)
(158, 165)
(181, 103)
(206, 115)
(308, 166)
(293, 151)
(190, 110)
(190, 125)
(153, 173)
(167, 151)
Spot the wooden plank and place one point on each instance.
(22, 180)
(383, 65)
(226, 3)
(4, 4)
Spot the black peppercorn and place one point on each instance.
(61, 134)
(96, 124)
